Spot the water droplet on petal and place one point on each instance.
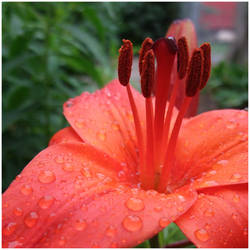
(18, 211)
(46, 177)
(80, 225)
(68, 167)
(231, 124)
(59, 159)
(236, 198)
(158, 209)
(84, 208)
(101, 136)
(235, 177)
(115, 126)
(111, 231)
(245, 231)
(46, 201)
(181, 198)
(62, 241)
(222, 162)
(132, 223)
(114, 245)
(135, 204)
(234, 216)
(209, 212)
(163, 222)
(201, 234)
(26, 189)
(31, 219)
(86, 172)
(9, 229)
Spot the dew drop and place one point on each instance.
(245, 231)
(180, 208)
(115, 126)
(111, 231)
(68, 167)
(222, 162)
(84, 208)
(26, 189)
(86, 172)
(236, 198)
(80, 225)
(132, 223)
(62, 241)
(235, 177)
(181, 198)
(135, 204)
(46, 177)
(158, 209)
(31, 219)
(101, 136)
(59, 159)
(18, 211)
(231, 124)
(69, 104)
(201, 234)
(209, 212)
(212, 172)
(15, 244)
(79, 124)
(163, 222)
(46, 202)
(234, 216)
(9, 229)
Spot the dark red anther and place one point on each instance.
(206, 48)
(171, 42)
(125, 62)
(146, 45)
(148, 73)
(194, 74)
(182, 57)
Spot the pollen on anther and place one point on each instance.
(125, 62)
(182, 57)
(195, 70)
(146, 46)
(206, 48)
(148, 73)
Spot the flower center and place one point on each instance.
(175, 70)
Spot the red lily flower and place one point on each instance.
(130, 164)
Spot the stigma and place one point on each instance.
(166, 67)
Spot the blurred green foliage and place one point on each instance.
(228, 85)
(51, 51)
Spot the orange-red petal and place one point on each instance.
(212, 149)
(104, 120)
(72, 195)
(65, 135)
(219, 218)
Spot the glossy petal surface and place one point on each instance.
(212, 150)
(219, 218)
(72, 195)
(104, 120)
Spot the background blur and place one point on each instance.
(54, 51)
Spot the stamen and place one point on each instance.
(182, 61)
(193, 81)
(206, 48)
(147, 82)
(125, 62)
(146, 45)
(124, 72)
(148, 73)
